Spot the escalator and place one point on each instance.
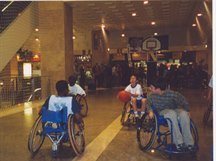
(18, 20)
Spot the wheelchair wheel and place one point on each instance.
(126, 113)
(83, 104)
(147, 132)
(36, 137)
(76, 135)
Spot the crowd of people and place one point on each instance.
(118, 74)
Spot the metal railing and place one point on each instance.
(15, 90)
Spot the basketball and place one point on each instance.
(124, 96)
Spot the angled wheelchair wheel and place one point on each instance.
(36, 137)
(83, 104)
(126, 114)
(76, 135)
(147, 132)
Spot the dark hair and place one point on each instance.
(159, 82)
(61, 86)
(72, 80)
(135, 75)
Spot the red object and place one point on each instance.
(124, 96)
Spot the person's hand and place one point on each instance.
(151, 114)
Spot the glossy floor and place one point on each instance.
(106, 139)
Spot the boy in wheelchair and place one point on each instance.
(57, 103)
(137, 100)
(74, 88)
(172, 105)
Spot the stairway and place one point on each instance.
(13, 33)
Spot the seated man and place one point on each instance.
(74, 88)
(57, 103)
(174, 106)
(136, 92)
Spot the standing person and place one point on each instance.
(74, 88)
(136, 92)
(172, 105)
(82, 79)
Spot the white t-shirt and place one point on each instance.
(76, 89)
(210, 83)
(58, 103)
(135, 90)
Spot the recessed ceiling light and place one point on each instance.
(155, 33)
(36, 39)
(103, 26)
(122, 35)
(145, 2)
(74, 37)
(108, 49)
(36, 29)
(193, 24)
(153, 23)
(199, 14)
(133, 14)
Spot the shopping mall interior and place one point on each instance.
(102, 43)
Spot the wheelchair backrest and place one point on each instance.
(54, 116)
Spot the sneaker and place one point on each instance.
(136, 114)
(180, 147)
(191, 148)
(142, 113)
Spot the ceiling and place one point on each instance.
(116, 15)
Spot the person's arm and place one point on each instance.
(149, 106)
(182, 102)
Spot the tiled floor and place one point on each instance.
(106, 140)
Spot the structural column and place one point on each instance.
(55, 27)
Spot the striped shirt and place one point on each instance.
(167, 100)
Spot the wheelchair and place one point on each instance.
(207, 114)
(156, 128)
(81, 99)
(59, 128)
(128, 117)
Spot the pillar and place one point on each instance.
(55, 28)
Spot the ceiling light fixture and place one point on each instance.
(155, 33)
(122, 35)
(133, 14)
(153, 23)
(74, 37)
(193, 24)
(145, 2)
(103, 26)
(199, 14)
(36, 29)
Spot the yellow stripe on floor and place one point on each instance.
(100, 143)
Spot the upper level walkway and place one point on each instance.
(106, 139)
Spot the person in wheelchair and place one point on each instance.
(57, 103)
(74, 88)
(137, 100)
(172, 105)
